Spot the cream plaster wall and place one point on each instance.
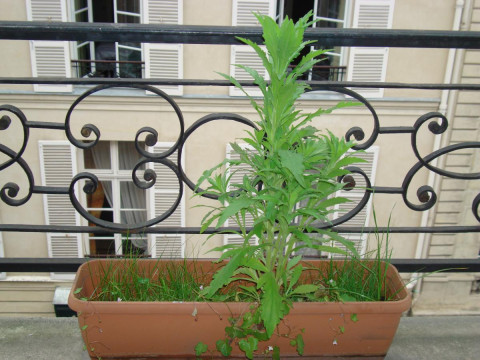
(203, 61)
(115, 116)
(410, 65)
(15, 54)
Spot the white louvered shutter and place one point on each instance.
(355, 195)
(164, 61)
(238, 172)
(49, 58)
(244, 55)
(161, 197)
(370, 64)
(58, 166)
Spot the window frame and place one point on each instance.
(343, 54)
(116, 176)
(74, 45)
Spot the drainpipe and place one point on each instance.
(445, 108)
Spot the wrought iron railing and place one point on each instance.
(436, 123)
(107, 68)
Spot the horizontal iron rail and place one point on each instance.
(227, 35)
(197, 230)
(107, 62)
(72, 264)
(199, 82)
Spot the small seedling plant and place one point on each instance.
(290, 162)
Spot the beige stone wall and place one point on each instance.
(114, 116)
(452, 292)
(204, 149)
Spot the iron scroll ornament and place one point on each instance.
(10, 190)
(149, 175)
(426, 195)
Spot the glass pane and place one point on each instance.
(127, 19)
(332, 9)
(102, 11)
(82, 16)
(80, 4)
(129, 70)
(102, 246)
(133, 217)
(134, 245)
(106, 58)
(134, 45)
(129, 6)
(131, 196)
(101, 198)
(83, 53)
(128, 155)
(98, 157)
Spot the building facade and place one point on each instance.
(122, 114)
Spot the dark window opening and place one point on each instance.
(330, 14)
(108, 59)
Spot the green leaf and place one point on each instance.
(84, 327)
(255, 264)
(248, 346)
(305, 289)
(341, 329)
(294, 162)
(223, 347)
(223, 276)
(233, 208)
(347, 298)
(294, 261)
(300, 344)
(200, 348)
(271, 309)
(354, 317)
(296, 273)
(329, 203)
(276, 353)
(77, 290)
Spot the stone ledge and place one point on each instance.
(418, 338)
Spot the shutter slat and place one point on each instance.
(49, 58)
(162, 196)
(243, 11)
(369, 65)
(58, 167)
(164, 12)
(242, 15)
(355, 195)
(168, 246)
(47, 10)
(164, 61)
(64, 246)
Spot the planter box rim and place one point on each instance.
(75, 303)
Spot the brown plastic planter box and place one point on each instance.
(116, 330)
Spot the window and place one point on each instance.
(331, 14)
(116, 199)
(351, 64)
(112, 162)
(105, 59)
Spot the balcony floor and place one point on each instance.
(420, 337)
